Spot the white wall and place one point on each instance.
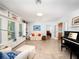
(68, 21)
(44, 26)
(24, 29)
(37, 23)
(4, 34)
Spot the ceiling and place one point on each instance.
(51, 9)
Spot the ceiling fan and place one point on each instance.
(38, 1)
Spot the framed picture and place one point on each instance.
(36, 27)
(75, 21)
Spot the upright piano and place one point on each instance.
(71, 41)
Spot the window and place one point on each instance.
(20, 29)
(0, 23)
(11, 30)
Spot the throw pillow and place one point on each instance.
(3, 56)
(11, 54)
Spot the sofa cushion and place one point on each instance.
(11, 54)
(22, 55)
(3, 56)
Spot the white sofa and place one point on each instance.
(27, 52)
(36, 35)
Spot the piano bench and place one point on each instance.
(63, 46)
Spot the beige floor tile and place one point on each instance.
(49, 49)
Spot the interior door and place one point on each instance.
(60, 30)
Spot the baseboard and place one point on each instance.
(18, 44)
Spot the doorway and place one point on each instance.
(60, 30)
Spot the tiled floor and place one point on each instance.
(49, 49)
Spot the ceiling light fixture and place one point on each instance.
(39, 14)
(38, 1)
